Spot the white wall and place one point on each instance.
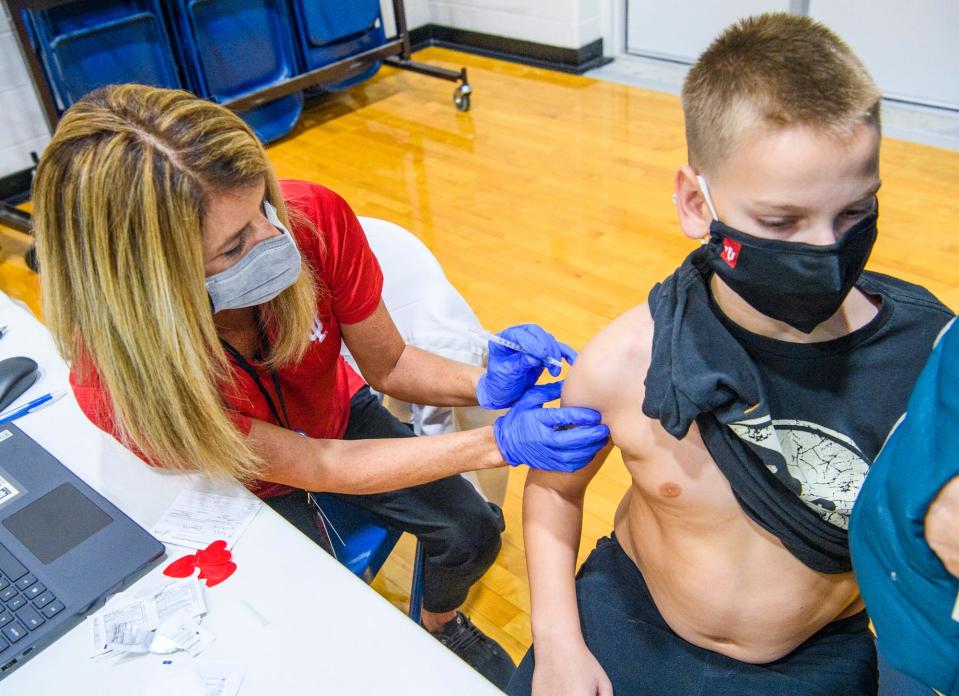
(22, 126)
(564, 23)
(417, 14)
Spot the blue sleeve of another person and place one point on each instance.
(908, 592)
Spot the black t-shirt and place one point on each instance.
(793, 427)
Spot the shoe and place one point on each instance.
(477, 649)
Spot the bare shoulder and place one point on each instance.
(612, 367)
(608, 377)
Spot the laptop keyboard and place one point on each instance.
(25, 604)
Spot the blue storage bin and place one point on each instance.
(328, 21)
(233, 48)
(329, 30)
(86, 45)
(87, 14)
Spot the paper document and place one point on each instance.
(184, 677)
(185, 594)
(124, 627)
(180, 632)
(162, 616)
(955, 609)
(220, 678)
(196, 519)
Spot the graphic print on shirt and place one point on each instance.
(824, 468)
(318, 334)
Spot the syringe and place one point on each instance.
(506, 343)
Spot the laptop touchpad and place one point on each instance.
(55, 523)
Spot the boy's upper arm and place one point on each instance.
(610, 373)
(608, 377)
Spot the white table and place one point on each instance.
(294, 617)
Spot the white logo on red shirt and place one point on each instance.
(318, 333)
(731, 252)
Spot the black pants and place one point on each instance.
(642, 656)
(460, 531)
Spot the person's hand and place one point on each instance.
(570, 672)
(551, 439)
(509, 374)
(942, 526)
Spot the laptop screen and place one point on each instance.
(56, 522)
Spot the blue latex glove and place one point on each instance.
(528, 433)
(510, 374)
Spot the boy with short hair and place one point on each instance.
(748, 397)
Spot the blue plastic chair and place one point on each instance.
(362, 543)
(331, 30)
(232, 48)
(89, 44)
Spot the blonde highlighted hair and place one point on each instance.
(773, 71)
(119, 203)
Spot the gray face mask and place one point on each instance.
(268, 269)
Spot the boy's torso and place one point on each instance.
(720, 580)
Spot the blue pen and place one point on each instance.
(28, 408)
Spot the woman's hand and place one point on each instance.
(571, 671)
(551, 439)
(509, 373)
(942, 526)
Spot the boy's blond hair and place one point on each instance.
(772, 71)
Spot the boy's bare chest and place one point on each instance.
(674, 474)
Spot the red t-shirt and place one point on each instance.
(317, 390)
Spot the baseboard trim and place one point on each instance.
(569, 60)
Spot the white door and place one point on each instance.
(682, 29)
(910, 49)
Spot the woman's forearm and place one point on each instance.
(405, 372)
(370, 466)
(421, 377)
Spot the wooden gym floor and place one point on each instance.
(549, 202)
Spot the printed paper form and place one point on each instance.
(220, 678)
(181, 677)
(196, 519)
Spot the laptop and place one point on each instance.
(64, 549)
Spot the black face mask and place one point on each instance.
(799, 284)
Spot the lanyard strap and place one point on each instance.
(245, 365)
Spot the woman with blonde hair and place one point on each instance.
(202, 304)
